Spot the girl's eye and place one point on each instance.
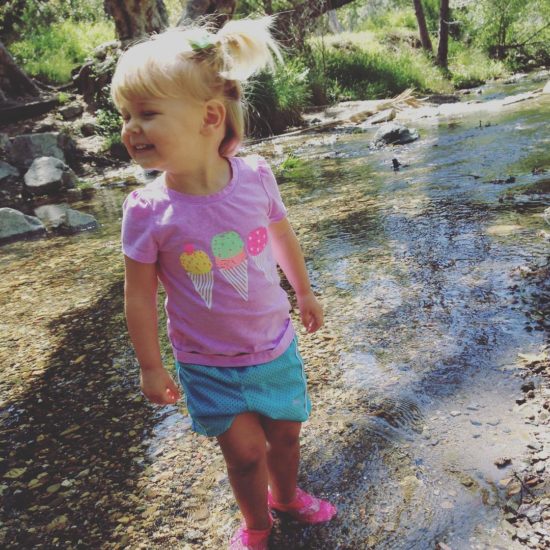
(148, 114)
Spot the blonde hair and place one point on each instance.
(199, 63)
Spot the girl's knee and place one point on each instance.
(246, 459)
(286, 437)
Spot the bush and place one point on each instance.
(23, 18)
(51, 53)
(276, 100)
(354, 74)
(470, 67)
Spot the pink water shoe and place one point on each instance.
(305, 508)
(250, 539)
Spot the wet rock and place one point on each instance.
(4, 140)
(15, 225)
(546, 89)
(10, 185)
(503, 462)
(393, 133)
(23, 149)
(500, 181)
(49, 175)
(61, 217)
(546, 215)
(531, 512)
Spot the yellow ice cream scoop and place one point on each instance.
(195, 262)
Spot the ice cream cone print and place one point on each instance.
(256, 245)
(198, 267)
(230, 257)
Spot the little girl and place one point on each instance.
(212, 228)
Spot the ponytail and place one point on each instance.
(247, 47)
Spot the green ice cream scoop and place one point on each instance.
(226, 245)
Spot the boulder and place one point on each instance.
(62, 218)
(393, 133)
(15, 225)
(49, 175)
(89, 129)
(546, 215)
(10, 185)
(71, 111)
(546, 89)
(23, 149)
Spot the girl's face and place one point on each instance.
(163, 133)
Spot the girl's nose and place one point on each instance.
(131, 126)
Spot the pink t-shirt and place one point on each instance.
(224, 304)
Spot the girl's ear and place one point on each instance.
(214, 116)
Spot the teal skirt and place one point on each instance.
(216, 395)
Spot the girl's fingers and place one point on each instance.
(172, 395)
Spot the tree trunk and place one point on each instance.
(443, 46)
(217, 11)
(136, 18)
(422, 28)
(14, 83)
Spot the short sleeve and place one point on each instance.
(138, 226)
(277, 209)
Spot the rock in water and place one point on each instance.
(61, 217)
(15, 225)
(393, 133)
(49, 175)
(546, 89)
(23, 149)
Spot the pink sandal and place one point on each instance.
(251, 539)
(305, 508)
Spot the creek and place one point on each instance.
(413, 381)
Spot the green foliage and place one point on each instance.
(391, 19)
(24, 17)
(276, 100)
(63, 97)
(51, 53)
(515, 31)
(290, 163)
(351, 73)
(470, 66)
(109, 122)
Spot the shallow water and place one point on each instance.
(415, 269)
(418, 267)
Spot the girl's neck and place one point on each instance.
(203, 180)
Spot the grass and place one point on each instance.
(385, 58)
(51, 53)
(471, 67)
(360, 67)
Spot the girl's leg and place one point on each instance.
(244, 449)
(283, 457)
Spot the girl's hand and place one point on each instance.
(157, 385)
(311, 311)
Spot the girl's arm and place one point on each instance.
(140, 305)
(288, 254)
